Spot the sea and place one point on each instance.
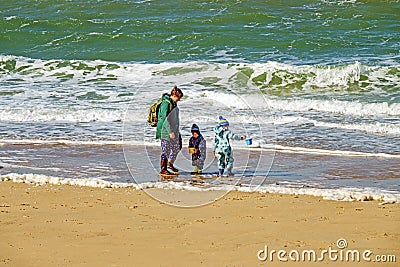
(314, 84)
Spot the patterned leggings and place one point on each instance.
(225, 160)
(199, 163)
(170, 149)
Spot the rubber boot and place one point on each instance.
(172, 168)
(220, 172)
(195, 170)
(230, 173)
(164, 170)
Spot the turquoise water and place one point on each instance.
(309, 78)
(334, 64)
(321, 66)
(294, 32)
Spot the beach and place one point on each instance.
(60, 225)
(314, 84)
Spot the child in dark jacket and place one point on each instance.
(197, 147)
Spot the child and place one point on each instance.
(197, 145)
(221, 146)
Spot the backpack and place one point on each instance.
(152, 117)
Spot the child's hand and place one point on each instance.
(243, 137)
(214, 155)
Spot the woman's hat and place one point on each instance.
(223, 121)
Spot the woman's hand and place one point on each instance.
(214, 154)
(172, 135)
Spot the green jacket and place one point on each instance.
(168, 118)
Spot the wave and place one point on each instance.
(317, 151)
(105, 114)
(257, 145)
(271, 77)
(352, 108)
(22, 69)
(374, 128)
(343, 194)
(36, 80)
(68, 142)
(61, 115)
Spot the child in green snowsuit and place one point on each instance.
(221, 146)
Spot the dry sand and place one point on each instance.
(73, 226)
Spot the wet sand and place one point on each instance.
(54, 225)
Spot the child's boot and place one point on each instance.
(195, 170)
(220, 172)
(230, 173)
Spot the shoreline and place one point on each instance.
(197, 187)
(70, 225)
(275, 148)
(330, 177)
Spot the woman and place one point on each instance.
(168, 131)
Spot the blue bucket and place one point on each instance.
(249, 141)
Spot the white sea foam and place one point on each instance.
(40, 179)
(352, 108)
(10, 17)
(336, 106)
(43, 114)
(320, 76)
(343, 194)
(77, 73)
(35, 91)
(73, 142)
(257, 144)
(40, 114)
(225, 99)
(309, 75)
(376, 128)
(316, 151)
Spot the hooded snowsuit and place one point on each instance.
(222, 147)
(200, 144)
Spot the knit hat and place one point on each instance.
(223, 121)
(195, 129)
